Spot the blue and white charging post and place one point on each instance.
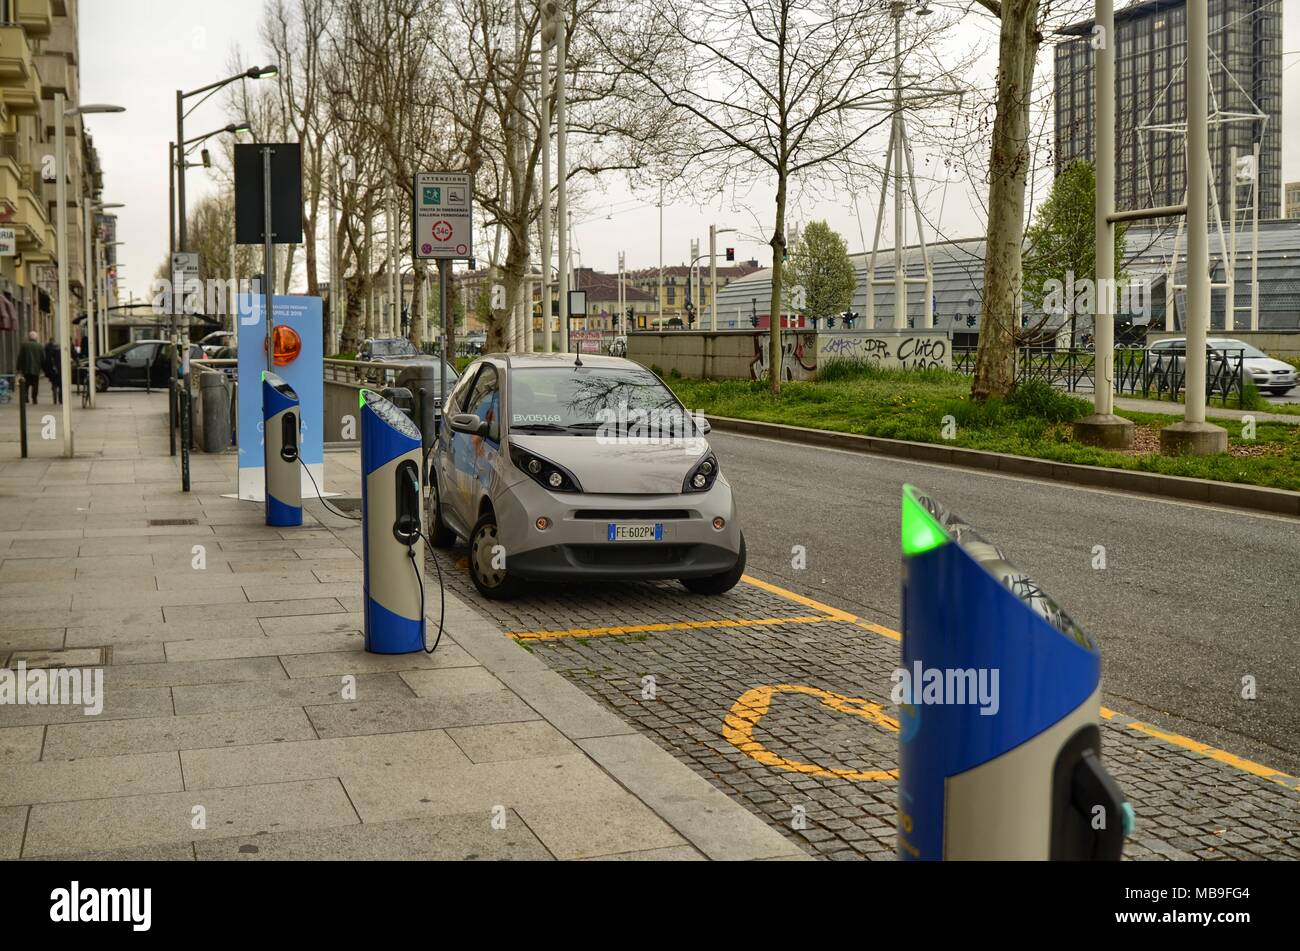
(1018, 776)
(281, 441)
(390, 528)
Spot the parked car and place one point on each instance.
(138, 363)
(543, 470)
(216, 342)
(1269, 375)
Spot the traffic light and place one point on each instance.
(690, 312)
(731, 254)
(753, 320)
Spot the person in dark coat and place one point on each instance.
(31, 361)
(53, 369)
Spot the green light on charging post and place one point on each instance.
(361, 399)
(921, 532)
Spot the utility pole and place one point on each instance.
(661, 254)
(900, 271)
(546, 190)
(1194, 436)
(562, 170)
(713, 277)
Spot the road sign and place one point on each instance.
(185, 281)
(8, 242)
(442, 216)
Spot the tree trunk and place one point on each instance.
(995, 361)
(774, 311)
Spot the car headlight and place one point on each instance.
(547, 474)
(702, 475)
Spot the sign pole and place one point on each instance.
(268, 252)
(448, 326)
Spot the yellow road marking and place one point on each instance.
(833, 613)
(1174, 739)
(738, 728)
(665, 626)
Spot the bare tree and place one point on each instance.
(764, 87)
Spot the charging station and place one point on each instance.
(393, 542)
(280, 440)
(1025, 781)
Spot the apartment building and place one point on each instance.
(39, 58)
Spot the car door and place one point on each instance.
(454, 451)
(472, 455)
(133, 367)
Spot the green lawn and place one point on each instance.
(1033, 421)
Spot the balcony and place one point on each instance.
(35, 16)
(26, 214)
(20, 86)
(56, 75)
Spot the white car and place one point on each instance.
(1270, 376)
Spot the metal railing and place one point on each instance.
(1145, 372)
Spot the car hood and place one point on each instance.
(610, 467)
(1266, 364)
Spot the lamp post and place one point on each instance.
(61, 115)
(714, 231)
(254, 72)
(556, 30)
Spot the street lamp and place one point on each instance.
(91, 332)
(714, 231)
(61, 114)
(253, 72)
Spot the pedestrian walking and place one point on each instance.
(53, 369)
(31, 361)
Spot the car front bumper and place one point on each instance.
(576, 545)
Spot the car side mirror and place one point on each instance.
(469, 423)
(704, 427)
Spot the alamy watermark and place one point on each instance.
(40, 686)
(1082, 297)
(947, 686)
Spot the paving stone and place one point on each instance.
(360, 662)
(436, 713)
(497, 742)
(127, 821)
(602, 827)
(157, 734)
(133, 702)
(21, 744)
(372, 756)
(436, 838)
(96, 778)
(229, 647)
(181, 673)
(450, 682)
(298, 692)
(13, 822)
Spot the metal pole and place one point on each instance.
(1230, 300)
(448, 327)
(875, 235)
(661, 255)
(61, 230)
(88, 296)
(342, 277)
(180, 171)
(268, 253)
(1104, 322)
(561, 175)
(1198, 238)
(713, 277)
(22, 415)
(1254, 245)
(546, 198)
(171, 317)
(394, 282)
(900, 272)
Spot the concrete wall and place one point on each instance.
(739, 355)
(1276, 343)
(342, 399)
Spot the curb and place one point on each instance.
(1233, 494)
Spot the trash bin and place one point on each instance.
(999, 697)
(214, 401)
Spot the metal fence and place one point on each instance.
(1145, 372)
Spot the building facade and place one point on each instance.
(1150, 164)
(39, 58)
(1292, 200)
(682, 283)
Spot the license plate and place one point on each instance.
(636, 532)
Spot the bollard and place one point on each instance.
(22, 414)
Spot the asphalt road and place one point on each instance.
(1192, 599)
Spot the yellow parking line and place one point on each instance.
(665, 626)
(1174, 739)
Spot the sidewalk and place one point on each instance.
(1214, 412)
(242, 718)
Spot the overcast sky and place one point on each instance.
(136, 53)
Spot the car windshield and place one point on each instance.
(1249, 352)
(396, 347)
(587, 399)
(118, 351)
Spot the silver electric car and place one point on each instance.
(579, 467)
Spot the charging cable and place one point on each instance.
(339, 512)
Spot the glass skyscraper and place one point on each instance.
(1245, 76)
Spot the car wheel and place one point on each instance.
(486, 569)
(440, 536)
(101, 382)
(719, 583)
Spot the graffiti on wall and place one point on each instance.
(918, 351)
(795, 364)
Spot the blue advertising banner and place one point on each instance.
(305, 373)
